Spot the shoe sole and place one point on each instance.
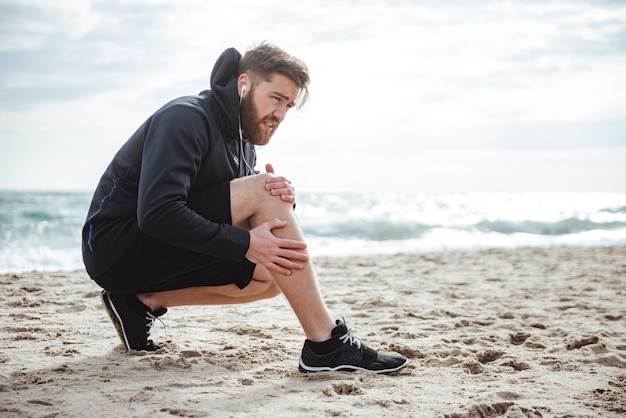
(348, 368)
(115, 318)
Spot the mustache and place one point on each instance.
(273, 119)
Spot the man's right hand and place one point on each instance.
(277, 254)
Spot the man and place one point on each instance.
(180, 217)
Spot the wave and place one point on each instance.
(614, 210)
(42, 230)
(385, 231)
(566, 226)
(373, 230)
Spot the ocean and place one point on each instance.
(41, 230)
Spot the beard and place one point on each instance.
(251, 122)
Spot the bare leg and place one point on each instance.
(300, 287)
(251, 205)
(262, 286)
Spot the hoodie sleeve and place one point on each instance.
(175, 143)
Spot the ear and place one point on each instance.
(243, 80)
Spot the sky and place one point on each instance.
(421, 96)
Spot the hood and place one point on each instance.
(224, 91)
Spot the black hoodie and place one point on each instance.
(184, 151)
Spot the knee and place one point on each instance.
(263, 194)
(252, 185)
(249, 196)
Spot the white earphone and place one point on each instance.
(242, 153)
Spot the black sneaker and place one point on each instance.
(132, 327)
(350, 355)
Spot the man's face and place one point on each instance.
(265, 106)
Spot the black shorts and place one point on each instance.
(151, 265)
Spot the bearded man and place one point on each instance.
(181, 217)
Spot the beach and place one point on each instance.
(526, 332)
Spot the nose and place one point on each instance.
(281, 112)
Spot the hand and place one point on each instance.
(277, 254)
(280, 186)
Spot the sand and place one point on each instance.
(511, 333)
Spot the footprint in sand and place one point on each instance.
(517, 365)
(519, 338)
(343, 389)
(582, 342)
(473, 367)
(488, 356)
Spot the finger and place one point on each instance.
(277, 268)
(274, 182)
(295, 258)
(269, 168)
(294, 253)
(288, 263)
(288, 198)
(291, 244)
(282, 187)
(276, 179)
(282, 191)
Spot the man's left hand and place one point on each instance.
(280, 186)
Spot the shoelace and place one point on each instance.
(350, 338)
(151, 319)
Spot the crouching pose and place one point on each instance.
(181, 217)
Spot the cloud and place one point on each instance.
(411, 74)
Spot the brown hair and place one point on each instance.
(264, 60)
